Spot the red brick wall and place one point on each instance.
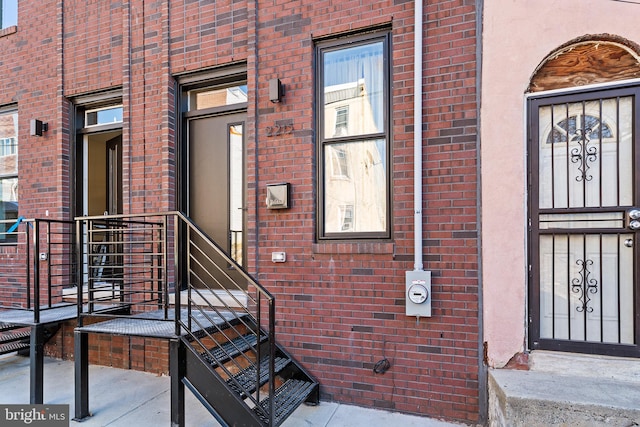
(141, 354)
(208, 34)
(340, 305)
(149, 156)
(94, 48)
(31, 82)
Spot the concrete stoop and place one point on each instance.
(566, 390)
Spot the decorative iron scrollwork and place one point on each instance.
(584, 285)
(583, 153)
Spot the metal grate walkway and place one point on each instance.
(26, 317)
(151, 324)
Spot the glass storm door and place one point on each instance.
(583, 238)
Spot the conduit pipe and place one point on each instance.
(417, 135)
(418, 281)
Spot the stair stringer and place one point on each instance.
(228, 406)
(296, 370)
(224, 404)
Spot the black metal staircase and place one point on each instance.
(236, 389)
(176, 283)
(14, 338)
(242, 378)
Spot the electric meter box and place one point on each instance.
(418, 293)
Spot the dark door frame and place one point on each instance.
(534, 232)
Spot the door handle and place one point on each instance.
(633, 219)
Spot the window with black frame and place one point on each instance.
(8, 176)
(353, 131)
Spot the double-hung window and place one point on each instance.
(352, 89)
(8, 13)
(8, 175)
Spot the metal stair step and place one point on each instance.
(13, 346)
(4, 327)
(14, 336)
(230, 349)
(287, 398)
(245, 380)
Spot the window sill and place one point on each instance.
(9, 30)
(384, 248)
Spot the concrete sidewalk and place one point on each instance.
(125, 398)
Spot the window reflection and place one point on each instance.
(201, 99)
(103, 116)
(354, 140)
(355, 187)
(236, 194)
(353, 91)
(8, 174)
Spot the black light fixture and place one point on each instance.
(37, 127)
(276, 90)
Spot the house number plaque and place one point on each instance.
(280, 127)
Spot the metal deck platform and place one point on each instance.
(26, 317)
(39, 335)
(152, 324)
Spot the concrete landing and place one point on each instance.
(563, 389)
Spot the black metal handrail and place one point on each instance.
(38, 265)
(137, 261)
(123, 261)
(208, 269)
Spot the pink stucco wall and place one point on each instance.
(517, 36)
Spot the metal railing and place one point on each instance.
(163, 264)
(242, 332)
(123, 263)
(37, 265)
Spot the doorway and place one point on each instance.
(212, 178)
(102, 173)
(216, 191)
(584, 222)
(217, 179)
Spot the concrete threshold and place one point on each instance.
(563, 389)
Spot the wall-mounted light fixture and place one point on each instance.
(37, 128)
(276, 90)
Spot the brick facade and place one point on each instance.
(340, 306)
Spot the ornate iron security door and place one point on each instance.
(583, 243)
